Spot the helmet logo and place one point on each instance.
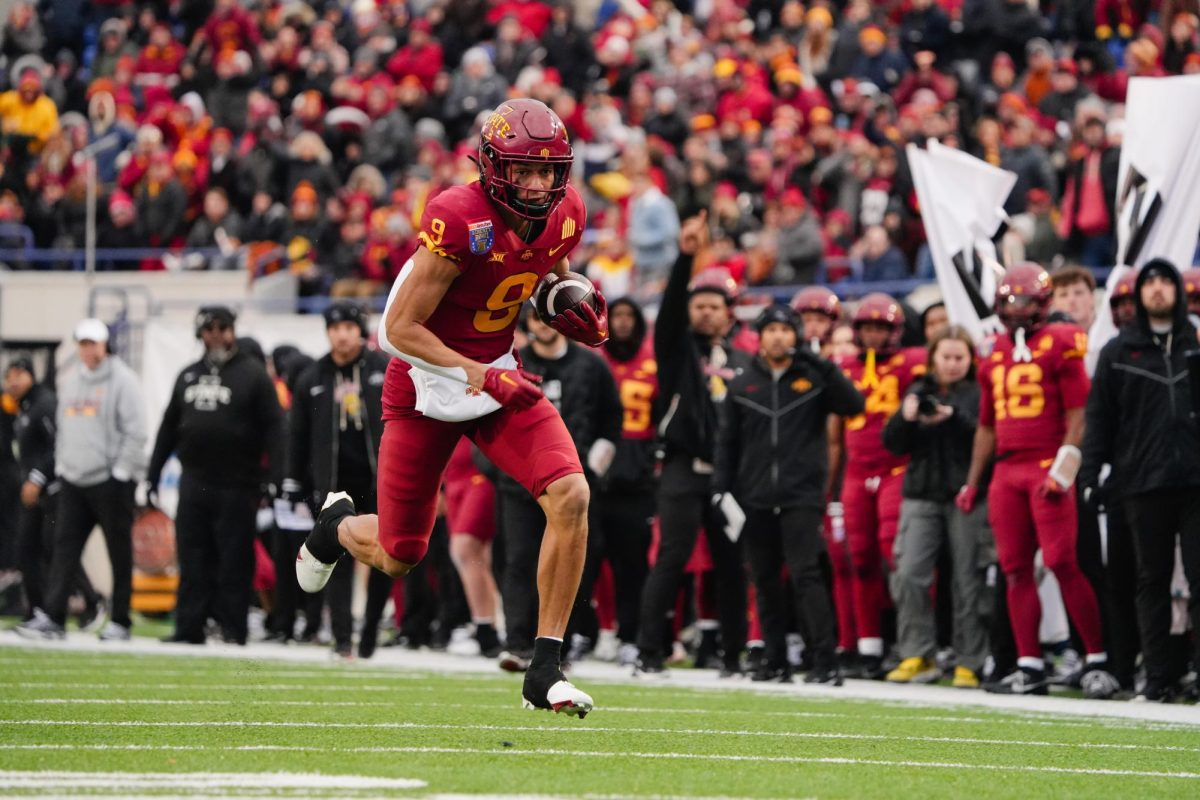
(545, 152)
(497, 126)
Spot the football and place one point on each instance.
(557, 294)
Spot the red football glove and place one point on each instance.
(590, 329)
(511, 388)
(965, 499)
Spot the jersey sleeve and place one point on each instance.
(444, 229)
(574, 221)
(1071, 344)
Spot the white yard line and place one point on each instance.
(407, 661)
(593, 731)
(711, 757)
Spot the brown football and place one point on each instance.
(557, 294)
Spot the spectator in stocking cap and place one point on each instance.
(336, 427)
(222, 418)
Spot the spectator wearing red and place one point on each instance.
(924, 77)
(534, 16)
(161, 57)
(794, 92)
(421, 57)
(742, 96)
(1088, 215)
(229, 27)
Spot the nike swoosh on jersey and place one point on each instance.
(554, 250)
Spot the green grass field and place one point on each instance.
(92, 723)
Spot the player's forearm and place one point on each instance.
(1076, 423)
(981, 453)
(422, 348)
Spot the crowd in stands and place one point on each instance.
(322, 128)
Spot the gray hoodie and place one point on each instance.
(101, 425)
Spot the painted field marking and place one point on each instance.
(199, 781)
(864, 737)
(716, 757)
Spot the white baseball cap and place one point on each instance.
(91, 330)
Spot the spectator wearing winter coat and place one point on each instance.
(653, 230)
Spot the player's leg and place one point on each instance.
(1056, 519)
(535, 449)
(412, 457)
(1016, 544)
(866, 578)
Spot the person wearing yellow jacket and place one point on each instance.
(27, 112)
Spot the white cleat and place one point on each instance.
(564, 698)
(311, 573)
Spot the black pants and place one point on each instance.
(790, 536)
(35, 549)
(1155, 518)
(622, 536)
(80, 509)
(214, 533)
(1113, 576)
(680, 518)
(339, 592)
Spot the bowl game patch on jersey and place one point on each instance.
(481, 236)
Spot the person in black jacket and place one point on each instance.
(34, 431)
(335, 429)
(695, 363)
(936, 428)
(580, 386)
(772, 455)
(222, 419)
(1140, 420)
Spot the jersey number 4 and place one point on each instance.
(1017, 391)
(505, 302)
(884, 399)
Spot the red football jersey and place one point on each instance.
(883, 393)
(1026, 401)
(637, 381)
(499, 270)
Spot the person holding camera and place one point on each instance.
(935, 428)
(771, 455)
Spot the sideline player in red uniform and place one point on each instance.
(471, 518)
(449, 321)
(870, 496)
(1031, 416)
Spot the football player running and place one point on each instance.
(1031, 415)
(449, 322)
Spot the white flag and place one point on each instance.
(962, 207)
(1157, 203)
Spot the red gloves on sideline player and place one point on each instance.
(511, 388)
(965, 500)
(590, 329)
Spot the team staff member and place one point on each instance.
(98, 456)
(1140, 420)
(578, 384)
(771, 454)
(627, 508)
(222, 419)
(695, 362)
(336, 424)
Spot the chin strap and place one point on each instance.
(1021, 351)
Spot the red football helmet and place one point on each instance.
(819, 299)
(1191, 288)
(524, 131)
(1023, 297)
(1122, 304)
(716, 279)
(882, 308)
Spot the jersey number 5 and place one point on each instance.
(1017, 391)
(505, 302)
(636, 398)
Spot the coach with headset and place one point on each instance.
(222, 419)
(771, 455)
